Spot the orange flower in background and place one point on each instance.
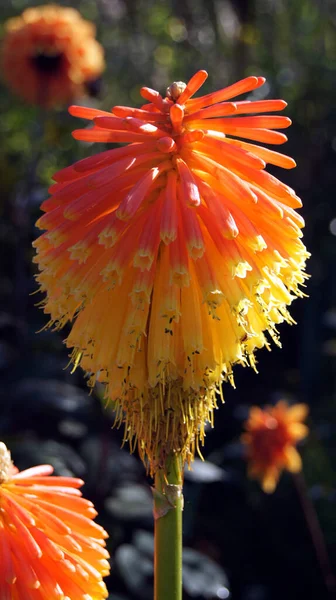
(49, 53)
(50, 548)
(174, 257)
(272, 434)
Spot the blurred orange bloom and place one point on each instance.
(49, 53)
(172, 255)
(50, 548)
(272, 434)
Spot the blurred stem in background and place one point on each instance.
(168, 506)
(21, 218)
(316, 533)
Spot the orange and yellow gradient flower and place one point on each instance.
(50, 548)
(272, 434)
(174, 257)
(49, 53)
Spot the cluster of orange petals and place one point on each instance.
(49, 53)
(50, 548)
(172, 255)
(272, 434)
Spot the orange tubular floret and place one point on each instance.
(233, 185)
(111, 122)
(245, 85)
(219, 229)
(270, 183)
(189, 189)
(216, 207)
(65, 175)
(91, 181)
(166, 144)
(7, 566)
(218, 110)
(24, 516)
(176, 116)
(169, 220)
(191, 228)
(41, 470)
(150, 237)
(269, 156)
(193, 86)
(102, 135)
(179, 262)
(266, 122)
(138, 113)
(153, 96)
(258, 106)
(139, 126)
(245, 123)
(191, 136)
(87, 113)
(268, 204)
(134, 198)
(111, 156)
(220, 125)
(225, 151)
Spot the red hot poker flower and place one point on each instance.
(49, 53)
(50, 547)
(272, 434)
(173, 256)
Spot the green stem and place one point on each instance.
(168, 506)
(316, 534)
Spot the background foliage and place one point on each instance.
(240, 543)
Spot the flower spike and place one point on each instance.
(174, 257)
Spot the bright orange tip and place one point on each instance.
(50, 547)
(270, 439)
(174, 257)
(50, 55)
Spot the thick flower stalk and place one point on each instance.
(50, 548)
(49, 53)
(270, 439)
(174, 257)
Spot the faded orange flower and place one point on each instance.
(50, 548)
(272, 434)
(174, 257)
(49, 53)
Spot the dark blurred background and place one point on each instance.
(240, 543)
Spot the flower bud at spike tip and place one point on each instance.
(5, 462)
(175, 90)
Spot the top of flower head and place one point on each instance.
(49, 54)
(174, 256)
(6, 464)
